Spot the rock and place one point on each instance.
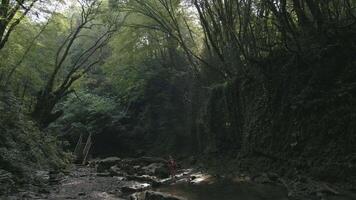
(162, 172)
(81, 194)
(144, 178)
(150, 169)
(327, 190)
(105, 164)
(115, 192)
(44, 190)
(30, 195)
(273, 176)
(199, 178)
(9, 198)
(241, 178)
(136, 167)
(41, 177)
(103, 195)
(6, 181)
(120, 178)
(143, 161)
(56, 177)
(135, 187)
(116, 171)
(151, 195)
(263, 178)
(69, 197)
(166, 181)
(104, 174)
(138, 196)
(156, 169)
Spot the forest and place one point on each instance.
(178, 99)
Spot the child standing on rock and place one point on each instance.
(172, 166)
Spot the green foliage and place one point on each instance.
(23, 147)
(29, 56)
(88, 112)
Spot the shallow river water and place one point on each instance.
(226, 190)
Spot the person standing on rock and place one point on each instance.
(172, 165)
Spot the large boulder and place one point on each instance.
(156, 169)
(152, 195)
(105, 164)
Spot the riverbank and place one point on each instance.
(147, 178)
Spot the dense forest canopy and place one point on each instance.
(219, 79)
(215, 37)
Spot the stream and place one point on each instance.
(226, 190)
(146, 179)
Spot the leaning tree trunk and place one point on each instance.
(43, 112)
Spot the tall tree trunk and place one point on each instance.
(43, 112)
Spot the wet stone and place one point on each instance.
(152, 195)
(135, 187)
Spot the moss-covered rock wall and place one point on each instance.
(290, 112)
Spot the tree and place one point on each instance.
(9, 17)
(74, 58)
(169, 17)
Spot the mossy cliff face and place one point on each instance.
(289, 112)
(220, 121)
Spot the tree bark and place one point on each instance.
(43, 112)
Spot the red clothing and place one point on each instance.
(172, 165)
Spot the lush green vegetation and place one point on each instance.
(222, 79)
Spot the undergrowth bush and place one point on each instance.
(25, 148)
